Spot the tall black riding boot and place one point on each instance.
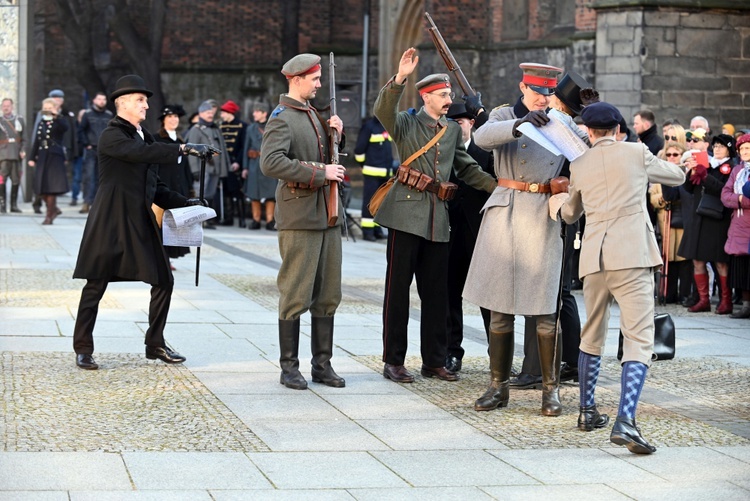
(289, 350)
(550, 354)
(501, 359)
(37, 204)
(2, 198)
(13, 199)
(322, 351)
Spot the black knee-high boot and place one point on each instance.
(550, 354)
(289, 359)
(322, 351)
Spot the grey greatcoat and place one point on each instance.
(516, 264)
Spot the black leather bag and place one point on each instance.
(710, 206)
(663, 337)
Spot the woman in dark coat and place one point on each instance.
(705, 237)
(176, 176)
(48, 155)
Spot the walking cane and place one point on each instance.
(665, 252)
(201, 189)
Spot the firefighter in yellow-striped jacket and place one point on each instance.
(375, 153)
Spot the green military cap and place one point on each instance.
(542, 78)
(433, 82)
(301, 65)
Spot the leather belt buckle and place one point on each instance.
(534, 187)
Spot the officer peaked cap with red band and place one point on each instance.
(433, 82)
(300, 65)
(542, 78)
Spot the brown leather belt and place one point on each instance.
(305, 186)
(518, 185)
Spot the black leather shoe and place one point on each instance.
(568, 372)
(85, 361)
(526, 382)
(439, 372)
(397, 373)
(625, 432)
(589, 418)
(453, 363)
(271, 226)
(166, 355)
(254, 225)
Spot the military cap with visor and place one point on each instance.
(433, 82)
(541, 78)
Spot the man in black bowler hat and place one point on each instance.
(121, 240)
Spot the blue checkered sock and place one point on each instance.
(633, 377)
(588, 373)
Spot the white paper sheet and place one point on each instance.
(556, 137)
(182, 227)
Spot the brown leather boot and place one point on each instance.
(501, 359)
(50, 214)
(725, 304)
(701, 285)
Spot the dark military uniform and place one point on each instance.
(418, 226)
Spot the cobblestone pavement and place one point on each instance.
(719, 390)
(129, 404)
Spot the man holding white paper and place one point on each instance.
(121, 240)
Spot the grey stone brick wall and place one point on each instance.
(678, 63)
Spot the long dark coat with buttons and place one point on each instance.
(122, 241)
(49, 154)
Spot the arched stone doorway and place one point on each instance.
(401, 27)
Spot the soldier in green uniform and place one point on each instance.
(417, 219)
(295, 150)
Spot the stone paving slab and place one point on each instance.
(142, 495)
(50, 471)
(193, 470)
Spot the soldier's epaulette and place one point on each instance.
(501, 106)
(277, 111)
(412, 111)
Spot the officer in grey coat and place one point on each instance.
(515, 269)
(417, 219)
(296, 151)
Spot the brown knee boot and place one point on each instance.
(50, 214)
(725, 304)
(501, 359)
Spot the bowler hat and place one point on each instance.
(569, 91)
(172, 109)
(130, 84)
(727, 141)
(458, 110)
(601, 116)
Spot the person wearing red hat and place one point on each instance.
(504, 276)
(233, 129)
(296, 151)
(415, 211)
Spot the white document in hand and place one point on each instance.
(182, 227)
(556, 137)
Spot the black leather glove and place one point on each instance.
(474, 103)
(537, 118)
(200, 150)
(196, 201)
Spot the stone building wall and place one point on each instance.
(679, 63)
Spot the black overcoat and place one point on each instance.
(121, 241)
(49, 154)
(704, 237)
